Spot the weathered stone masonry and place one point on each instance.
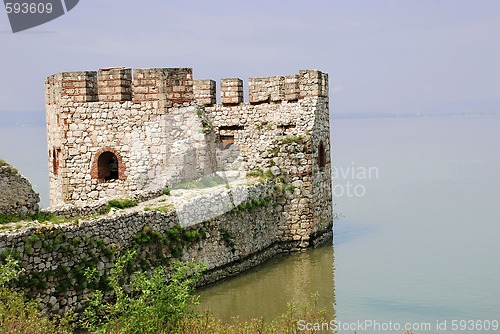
(118, 132)
(17, 196)
(130, 133)
(55, 256)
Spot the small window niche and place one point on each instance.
(226, 142)
(321, 156)
(55, 160)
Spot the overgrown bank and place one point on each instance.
(228, 230)
(156, 302)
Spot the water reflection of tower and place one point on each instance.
(313, 273)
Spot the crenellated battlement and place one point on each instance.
(308, 83)
(176, 85)
(121, 132)
(78, 86)
(172, 85)
(114, 84)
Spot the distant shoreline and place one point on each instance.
(366, 116)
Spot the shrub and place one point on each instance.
(163, 208)
(18, 315)
(22, 316)
(155, 304)
(41, 216)
(122, 203)
(292, 139)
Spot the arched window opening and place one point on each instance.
(321, 156)
(107, 166)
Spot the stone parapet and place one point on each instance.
(231, 91)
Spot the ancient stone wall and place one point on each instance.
(119, 133)
(284, 128)
(239, 233)
(123, 133)
(17, 196)
(103, 150)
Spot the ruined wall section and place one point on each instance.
(282, 129)
(17, 196)
(321, 200)
(160, 126)
(149, 126)
(54, 257)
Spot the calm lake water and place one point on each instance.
(419, 242)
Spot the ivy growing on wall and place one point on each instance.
(152, 248)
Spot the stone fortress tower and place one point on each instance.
(120, 132)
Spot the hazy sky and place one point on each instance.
(382, 56)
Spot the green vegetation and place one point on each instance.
(280, 144)
(151, 304)
(228, 238)
(292, 139)
(9, 271)
(285, 323)
(282, 181)
(119, 203)
(20, 315)
(159, 248)
(252, 204)
(205, 182)
(163, 208)
(160, 302)
(154, 248)
(122, 203)
(48, 217)
(41, 216)
(94, 250)
(205, 123)
(262, 175)
(10, 168)
(166, 191)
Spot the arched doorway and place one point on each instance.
(107, 166)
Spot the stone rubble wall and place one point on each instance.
(233, 239)
(285, 135)
(71, 210)
(17, 196)
(321, 201)
(229, 159)
(155, 148)
(164, 127)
